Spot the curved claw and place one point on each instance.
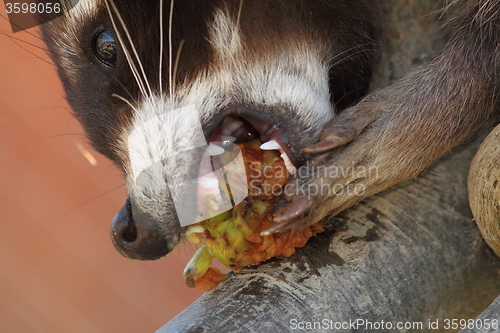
(273, 228)
(325, 144)
(298, 206)
(344, 128)
(333, 137)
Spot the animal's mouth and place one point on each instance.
(236, 128)
(240, 129)
(241, 124)
(238, 234)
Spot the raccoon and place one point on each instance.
(145, 79)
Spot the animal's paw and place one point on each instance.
(350, 162)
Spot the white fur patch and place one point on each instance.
(225, 36)
(158, 138)
(297, 77)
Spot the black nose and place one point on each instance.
(136, 235)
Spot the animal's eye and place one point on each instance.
(104, 46)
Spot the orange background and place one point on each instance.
(59, 271)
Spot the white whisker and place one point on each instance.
(161, 44)
(135, 72)
(239, 13)
(177, 57)
(170, 79)
(132, 45)
(341, 56)
(124, 100)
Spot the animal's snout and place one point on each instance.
(136, 235)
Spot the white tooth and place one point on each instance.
(229, 126)
(219, 199)
(227, 121)
(270, 145)
(289, 165)
(213, 150)
(195, 229)
(291, 169)
(227, 139)
(208, 182)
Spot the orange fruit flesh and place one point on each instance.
(237, 241)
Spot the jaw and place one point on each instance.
(169, 135)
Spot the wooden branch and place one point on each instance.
(488, 321)
(410, 254)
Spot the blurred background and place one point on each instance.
(59, 271)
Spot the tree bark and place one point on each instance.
(409, 254)
(488, 321)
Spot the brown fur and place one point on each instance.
(401, 129)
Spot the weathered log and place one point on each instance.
(410, 254)
(486, 322)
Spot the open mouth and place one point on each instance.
(238, 234)
(236, 129)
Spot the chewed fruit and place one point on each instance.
(234, 238)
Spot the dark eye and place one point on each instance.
(104, 45)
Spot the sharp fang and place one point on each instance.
(229, 125)
(227, 139)
(270, 145)
(274, 145)
(289, 165)
(213, 150)
(195, 229)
